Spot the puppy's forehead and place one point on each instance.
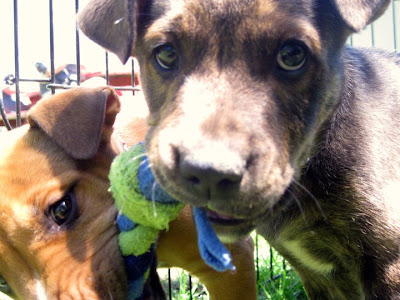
(233, 22)
(29, 160)
(242, 8)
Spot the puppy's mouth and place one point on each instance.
(222, 219)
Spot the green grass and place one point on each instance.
(180, 286)
(278, 283)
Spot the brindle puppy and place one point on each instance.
(260, 113)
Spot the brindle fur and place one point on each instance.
(310, 159)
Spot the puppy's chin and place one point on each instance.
(231, 234)
(230, 229)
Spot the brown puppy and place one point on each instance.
(57, 219)
(260, 113)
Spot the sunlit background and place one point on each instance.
(33, 22)
(34, 32)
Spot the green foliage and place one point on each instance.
(276, 279)
(280, 282)
(180, 285)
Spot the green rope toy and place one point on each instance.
(145, 209)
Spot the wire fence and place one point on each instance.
(384, 33)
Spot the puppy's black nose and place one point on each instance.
(210, 180)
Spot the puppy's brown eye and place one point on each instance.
(166, 57)
(64, 210)
(292, 56)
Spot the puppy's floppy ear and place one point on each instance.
(359, 13)
(78, 119)
(111, 24)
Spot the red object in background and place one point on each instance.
(115, 79)
(34, 96)
(122, 79)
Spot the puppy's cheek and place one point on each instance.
(88, 263)
(265, 182)
(96, 272)
(231, 234)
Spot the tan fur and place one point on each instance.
(35, 172)
(82, 260)
(171, 251)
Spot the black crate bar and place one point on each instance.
(395, 25)
(16, 66)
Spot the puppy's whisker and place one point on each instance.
(149, 166)
(138, 156)
(110, 294)
(304, 189)
(142, 163)
(153, 200)
(122, 207)
(271, 209)
(297, 200)
(119, 213)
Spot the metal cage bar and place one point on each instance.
(16, 64)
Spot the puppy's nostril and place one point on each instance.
(193, 180)
(176, 155)
(228, 183)
(208, 180)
